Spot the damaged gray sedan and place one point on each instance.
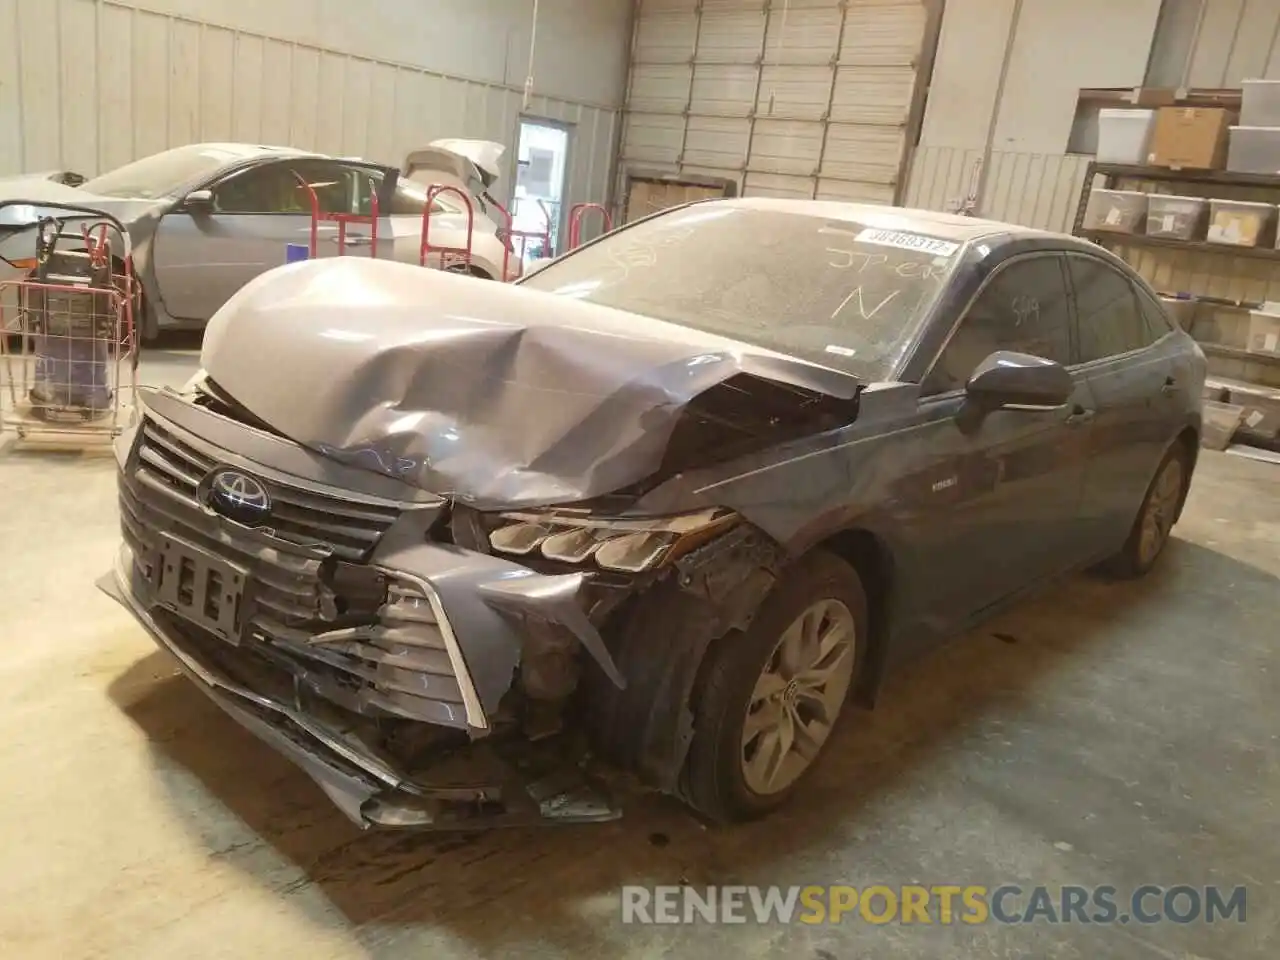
(670, 503)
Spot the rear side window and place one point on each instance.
(410, 198)
(1110, 319)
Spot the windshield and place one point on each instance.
(165, 173)
(834, 292)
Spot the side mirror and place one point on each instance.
(539, 264)
(199, 201)
(1019, 381)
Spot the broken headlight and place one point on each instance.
(630, 545)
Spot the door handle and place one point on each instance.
(1170, 386)
(1080, 415)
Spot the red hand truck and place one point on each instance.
(342, 220)
(460, 256)
(577, 212)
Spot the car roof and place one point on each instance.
(946, 226)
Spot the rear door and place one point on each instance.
(201, 258)
(1129, 358)
(998, 497)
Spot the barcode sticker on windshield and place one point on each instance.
(908, 241)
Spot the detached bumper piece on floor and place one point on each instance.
(463, 786)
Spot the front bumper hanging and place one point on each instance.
(485, 784)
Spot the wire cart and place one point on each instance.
(68, 349)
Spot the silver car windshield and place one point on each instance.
(163, 174)
(834, 292)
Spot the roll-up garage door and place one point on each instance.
(792, 98)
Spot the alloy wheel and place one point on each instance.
(798, 696)
(1161, 508)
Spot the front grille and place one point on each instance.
(159, 495)
(348, 528)
(393, 662)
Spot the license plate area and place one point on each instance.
(201, 588)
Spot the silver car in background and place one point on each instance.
(207, 218)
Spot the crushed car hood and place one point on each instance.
(485, 392)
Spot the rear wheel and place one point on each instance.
(771, 696)
(1159, 510)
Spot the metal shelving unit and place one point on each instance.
(1111, 172)
(1107, 175)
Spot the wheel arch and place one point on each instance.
(872, 558)
(1189, 439)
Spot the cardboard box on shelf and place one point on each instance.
(1190, 138)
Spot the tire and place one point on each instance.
(727, 776)
(1156, 517)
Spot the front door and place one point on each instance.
(537, 206)
(1127, 356)
(202, 257)
(996, 498)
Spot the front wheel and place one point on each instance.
(771, 696)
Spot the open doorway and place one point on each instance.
(541, 168)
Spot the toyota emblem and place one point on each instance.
(239, 497)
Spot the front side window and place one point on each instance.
(279, 188)
(1023, 309)
(846, 295)
(1110, 321)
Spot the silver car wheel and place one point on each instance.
(1159, 513)
(798, 697)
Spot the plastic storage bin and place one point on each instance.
(1120, 211)
(1254, 150)
(1124, 135)
(1177, 218)
(1264, 331)
(1260, 103)
(1239, 223)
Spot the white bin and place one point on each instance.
(1123, 135)
(1176, 218)
(1260, 103)
(1254, 150)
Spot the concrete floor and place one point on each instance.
(1101, 734)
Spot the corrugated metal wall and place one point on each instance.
(798, 98)
(1216, 43)
(1036, 189)
(1017, 102)
(1209, 43)
(87, 85)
